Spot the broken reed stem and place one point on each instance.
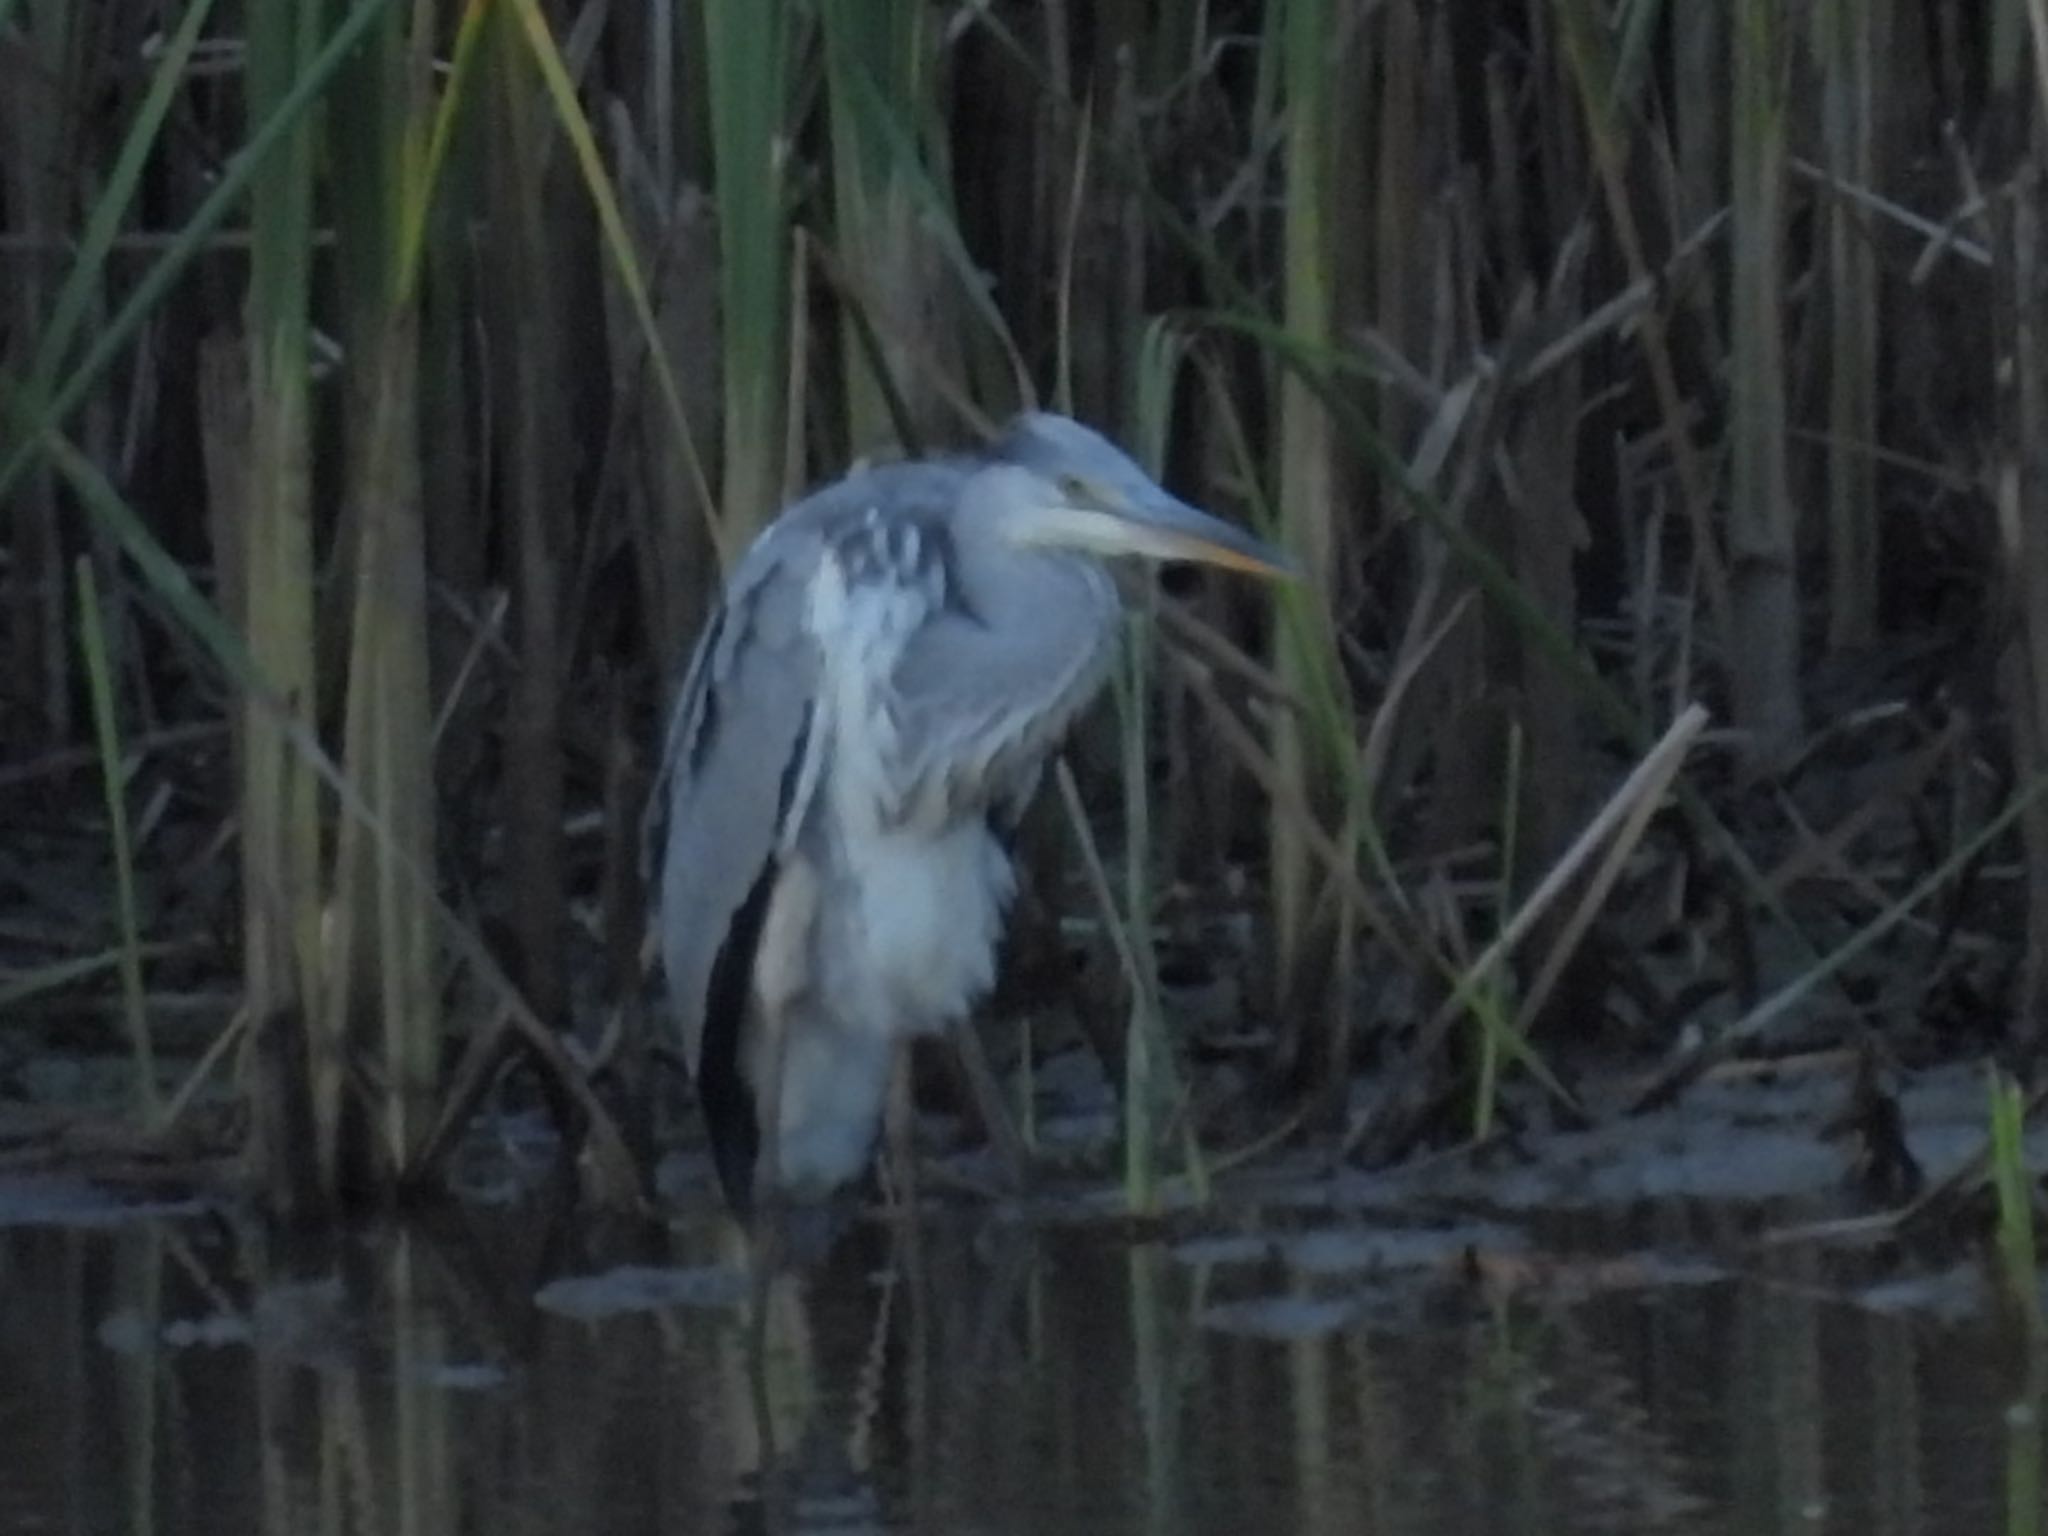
(1648, 798)
(1637, 795)
(280, 807)
(1691, 1062)
(1635, 799)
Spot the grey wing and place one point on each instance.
(745, 742)
(734, 767)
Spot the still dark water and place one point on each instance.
(499, 1371)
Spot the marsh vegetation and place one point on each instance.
(1655, 394)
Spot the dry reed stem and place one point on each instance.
(1613, 827)
(1691, 1060)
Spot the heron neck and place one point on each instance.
(1045, 600)
(1043, 621)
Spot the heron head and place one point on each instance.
(1086, 494)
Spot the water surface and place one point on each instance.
(502, 1370)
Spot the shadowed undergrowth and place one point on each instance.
(1653, 394)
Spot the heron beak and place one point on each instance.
(1170, 529)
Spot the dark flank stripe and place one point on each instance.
(792, 771)
(729, 1115)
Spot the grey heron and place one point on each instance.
(864, 717)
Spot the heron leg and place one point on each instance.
(900, 1119)
(767, 1232)
(768, 1162)
(764, 1258)
(1004, 1142)
(766, 1225)
(767, 1237)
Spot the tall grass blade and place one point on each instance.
(1488, 1086)
(2005, 44)
(2023, 1479)
(1319, 368)
(146, 1439)
(747, 60)
(425, 1485)
(561, 92)
(2020, 1277)
(1859, 943)
(280, 124)
(1141, 1175)
(123, 177)
(17, 987)
(1155, 1377)
(1161, 352)
(100, 680)
(1147, 1064)
(423, 164)
(2037, 33)
(169, 583)
(2014, 1187)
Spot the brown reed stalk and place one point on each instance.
(1763, 642)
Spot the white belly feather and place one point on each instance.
(927, 913)
(918, 887)
(912, 886)
(904, 944)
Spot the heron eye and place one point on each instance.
(1075, 488)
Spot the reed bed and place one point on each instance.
(403, 373)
